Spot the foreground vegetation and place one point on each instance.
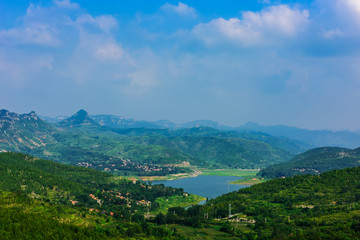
(41, 199)
(60, 201)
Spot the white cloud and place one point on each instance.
(353, 5)
(109, 51)
(37, 33)
(280, 19)
(31, 9)
(104, 22)
(181, 9)
(274, 22)
(348, 10)
(66, 4)
(232, 29)
(333, 33)
(33, 30)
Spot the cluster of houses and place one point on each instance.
(84, 164)
(118, 195)
(96, 199)
(143, 203)
(97, 210)
(306, 169)
(125, 164)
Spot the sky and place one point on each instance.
(268, 61)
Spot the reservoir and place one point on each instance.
(205, 186)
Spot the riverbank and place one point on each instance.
(248, 176)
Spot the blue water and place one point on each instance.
(205, 186)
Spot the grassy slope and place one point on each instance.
(176, 201)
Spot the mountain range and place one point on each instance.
(315, 138)
(80, 139)
(310, 138)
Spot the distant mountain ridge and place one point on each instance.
(114, 121)
(121, 122)
(311, 138)
(316, 138)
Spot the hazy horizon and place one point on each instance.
(193, 120)
(285, 62)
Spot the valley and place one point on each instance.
(159, 183)
(81, 141)
(179, 120)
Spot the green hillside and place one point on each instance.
(217, 152)
(24, 218)
(325, 206)
(315, 161)
(79, 140)
(42, 199)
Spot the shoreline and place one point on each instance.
(248, 176)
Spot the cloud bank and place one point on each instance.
(285, 63)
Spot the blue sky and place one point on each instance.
(272, 62)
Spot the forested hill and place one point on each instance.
(301, 207)
(315, 161)
(49, 180)
(42, 199)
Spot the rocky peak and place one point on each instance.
(81, 115)
(3, 112)
(79, 118)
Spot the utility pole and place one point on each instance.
(229, 209)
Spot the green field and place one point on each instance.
(176, 201)
(200, 233)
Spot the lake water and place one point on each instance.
(205, 186)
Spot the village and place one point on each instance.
(120, 165)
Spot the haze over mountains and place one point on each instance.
(106, 141)
(311, 138)
(80, 139)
